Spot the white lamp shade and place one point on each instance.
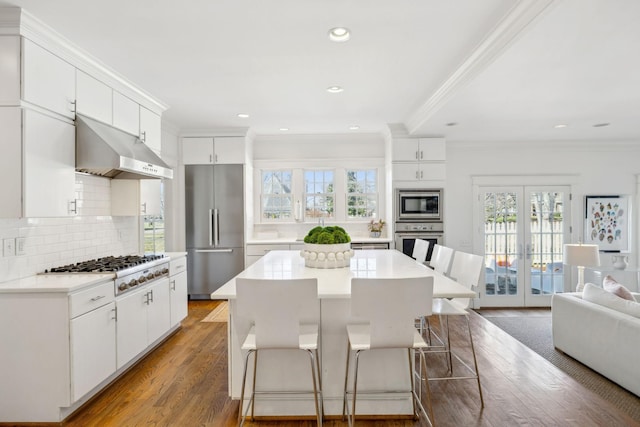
(581, 255)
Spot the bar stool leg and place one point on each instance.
(475, 362)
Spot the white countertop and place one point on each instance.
(294, 240)
(336, 282)
(54, 282)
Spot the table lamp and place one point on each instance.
(581, 256)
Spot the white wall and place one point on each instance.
(52, 242)
(596, 168)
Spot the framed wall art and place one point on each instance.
(607, 222)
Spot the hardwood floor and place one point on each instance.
(184, 383)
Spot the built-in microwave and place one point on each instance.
(418, 205)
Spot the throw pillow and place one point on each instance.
(610, 284)
(597, 295)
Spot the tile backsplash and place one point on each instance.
(51, 242)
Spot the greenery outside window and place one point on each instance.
(277, 199)
(362, 193)
(319, 194)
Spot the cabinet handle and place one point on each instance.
(416, 174)
(151, 295)
(416, 155)
(421, 174)
(74, 104)
(173, 285)
(146, 301)
(115, 314)
(143, 136)
(210, 158)
(143, 208)
(421, 154)
(216, 158)
(73, 206)
(99, 297)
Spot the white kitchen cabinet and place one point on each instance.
(47, 80)
(38, 158)
(208, 150)
(93, 98)
(256, 251)
(151, 129)
(419, 171)
(143, 317)
(178, 288)
(418, 149)
(93, 348)
(126, 114)
(10, 71)
(133, 197)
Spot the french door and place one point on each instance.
(523, 229)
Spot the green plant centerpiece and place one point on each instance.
(327, 247)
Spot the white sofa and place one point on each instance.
(604, 339)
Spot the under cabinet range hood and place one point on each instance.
(106, 151)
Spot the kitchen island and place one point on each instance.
(334, 291)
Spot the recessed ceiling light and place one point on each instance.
(560, 126)
(601, 125)
(354, 127)
(334, 89)
(243, 115)
(284, 129)
(339, 34)
(452, 124)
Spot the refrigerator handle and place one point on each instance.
(210, 227)
(216, 227)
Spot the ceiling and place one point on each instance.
(497, 69)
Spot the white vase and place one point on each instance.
(327, 256)
(620, 262)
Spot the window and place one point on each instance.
(277, 200)
(362, 193)
(153, 231)
(319, 194)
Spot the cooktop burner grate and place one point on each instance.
(105, 264)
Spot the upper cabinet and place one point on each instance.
(126, 113)
(132, 197)
(419, 149)
(150, 129)
(10, 71)
(94, 98)
(48, 81)
(218, 150)
(38, 160)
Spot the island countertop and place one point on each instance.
(336, 282)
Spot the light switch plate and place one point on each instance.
(9, 247)
(20, 246)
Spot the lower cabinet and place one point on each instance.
(178, 289)
(93, 349)
(143, 317)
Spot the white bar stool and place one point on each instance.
(281, 320)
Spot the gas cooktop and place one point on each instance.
(107, 264)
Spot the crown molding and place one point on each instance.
(17, 21)
(512, 26)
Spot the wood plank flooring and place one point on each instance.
(184, 383)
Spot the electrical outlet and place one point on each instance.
(20, 246)
(9, 247)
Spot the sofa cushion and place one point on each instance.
(597, 295)
(610, 284)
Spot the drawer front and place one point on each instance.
(177, 265)
(264, 249)
(89, 299)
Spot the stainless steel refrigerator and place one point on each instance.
(214, 198)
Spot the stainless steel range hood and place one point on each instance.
(106, 151)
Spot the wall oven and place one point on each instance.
(406, 234)
(414, 205)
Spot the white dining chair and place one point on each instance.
(284, 315)
(441, 259)
(465, 269)
(385, 310)
(420, 250)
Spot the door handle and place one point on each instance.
(520, 254)
(529, 251)
(200, 251)
(216, 227)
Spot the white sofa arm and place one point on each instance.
(601, 338)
